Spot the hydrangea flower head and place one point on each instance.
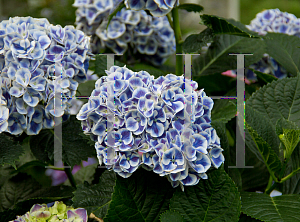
(161, 124)
(131, 30)
(53, 212)
(272, 20)
(29, 51)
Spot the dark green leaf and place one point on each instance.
(190, 7)
(16, 189)
(96, 198)
(141, 197)
(23, 187)
(263, 126)
(171, 216)
(279, 99)
(75, 148)
(283, 48)
(267, 78)
(195, 42)
(223, 110)
(85, 89)
(10, 151)
(283, 208)
(224, 26)
(214, 199)
(267, 153)
(215, 83)
(150, 69)
(100, 65)
(218, 60)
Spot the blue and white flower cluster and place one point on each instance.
(162, 124)
(142, 33)
(272, 20)
(155, 7)
(29, 50)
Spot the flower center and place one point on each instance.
(128, 158)
(171, 100)
(120, 140)
(138, 119)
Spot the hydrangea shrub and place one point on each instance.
(163, 124)
(53, 212)
(131, 30)
(29, 49)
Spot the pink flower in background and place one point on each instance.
(233, 75)
(58, 177)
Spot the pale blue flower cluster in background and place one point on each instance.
(142, 33)
(162, 124)
(157, 8)
(272, 20)
(29, 50)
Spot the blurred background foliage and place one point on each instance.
(61, 11)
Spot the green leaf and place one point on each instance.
(263, 126)
(117, 9)
(190, 7)
(214, 199)
(290, 139)
(17, 189)
(85, 89)
(223, 110)
(224, 26)
(290, 186)
(255, 178)
(148, 68)
(74, 147)
(96, 198)
(141, 197)
(10, 151)
(23, 187)
(217, 58)
(100, 65)
(84, 174)
(171, 216)
(283, 208)
(267, 78)
(283, 48)
(194, 43)
(279, 99)
(267, 153)
(215, 83)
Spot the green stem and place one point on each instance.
(269, 183)
(170, 20)
(290, 175)
(178, 38)
(55, 168)
(70, 176)
(271, 188)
